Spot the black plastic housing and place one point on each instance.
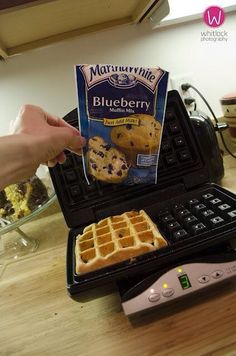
(205, 132)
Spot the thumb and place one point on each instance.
(75, 143)
(66, 138)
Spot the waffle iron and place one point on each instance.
(196, 216)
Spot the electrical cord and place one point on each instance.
(187, 86)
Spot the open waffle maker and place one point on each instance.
(192, 213)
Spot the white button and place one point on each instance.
(217, 274)
(168, 292)
(154, 297)
(203, 279)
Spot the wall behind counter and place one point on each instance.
(45, 76)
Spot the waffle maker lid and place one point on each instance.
(180, 165)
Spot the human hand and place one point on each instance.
(47, 135)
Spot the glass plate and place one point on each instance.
(12, 225)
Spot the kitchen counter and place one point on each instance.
(38, 318)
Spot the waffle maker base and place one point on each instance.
(192, 213)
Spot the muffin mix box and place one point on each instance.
(121, 114)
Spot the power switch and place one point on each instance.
(154, 297)
(168, 292)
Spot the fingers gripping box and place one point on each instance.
(121, 112)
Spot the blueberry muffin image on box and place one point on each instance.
(137, 139)
(106, 163)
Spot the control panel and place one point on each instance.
(178, 282)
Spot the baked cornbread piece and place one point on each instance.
(106, 163)
(115, 239)
(18, 200)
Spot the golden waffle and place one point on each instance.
(116, 239)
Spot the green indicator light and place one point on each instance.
(184, 281)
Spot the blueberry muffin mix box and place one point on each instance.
(121, 114)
